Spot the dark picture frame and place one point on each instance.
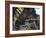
(7, 18)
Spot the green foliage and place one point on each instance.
(21, 9)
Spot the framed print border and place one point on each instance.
(7, 18)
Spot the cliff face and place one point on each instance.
(27, 20)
